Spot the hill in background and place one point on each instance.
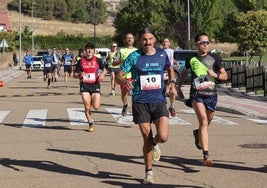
(52, 27)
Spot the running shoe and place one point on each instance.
(124, 110)
(112, 93)
(172, 111)
(207, 161)
(156, 153)
(149, 178)
(91, 126)
(197, 143)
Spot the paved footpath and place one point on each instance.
(61, 155)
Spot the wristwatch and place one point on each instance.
(172, 81)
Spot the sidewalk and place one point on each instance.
(239, 102)
(230, 100)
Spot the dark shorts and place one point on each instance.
(68, 69)
(115, 70)
(91, 88)
(47, 70)
(209, 102)
(55, 66)
(28, 66)
(147, 113)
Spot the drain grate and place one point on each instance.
(253, 146)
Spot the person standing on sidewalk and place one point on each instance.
(147, 66)
(205, 70)
(113, 69)
(166, 46)
(87, 70)
(28, 60)
(119, 58)
(15, 59)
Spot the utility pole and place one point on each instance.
(94, 22)
(188, 20)
(20, 58)
(32, 30)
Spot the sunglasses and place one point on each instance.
(203, 42)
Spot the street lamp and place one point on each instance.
(94, 22)
(32, 30)
(188, 20)
(20, 58)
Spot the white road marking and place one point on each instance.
(216, 119)
(224, 121)
(77, 116)
(3, 115)
(261, 121)
(116, 113)
(35, 118)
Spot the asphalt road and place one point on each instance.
(44, 143)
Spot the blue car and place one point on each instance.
(180, 57)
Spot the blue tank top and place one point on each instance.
(148, 74)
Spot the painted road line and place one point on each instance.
(77, 116)
(223, 121)
(260, 121)
(35, 118)
(216, 119)
(3, 115)
(116, 113)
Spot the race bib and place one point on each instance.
(89, 78)
(203, 83)
(68, 62)
(166, 76)
(150, 82)
(47, 65)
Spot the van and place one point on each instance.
(102, 53)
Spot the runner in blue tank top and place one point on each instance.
(147, 66)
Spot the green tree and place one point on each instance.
(138, 14)
(99, 14)
(248, 5)
(252, 31)
(60, 9)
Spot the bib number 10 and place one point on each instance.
(150, 82)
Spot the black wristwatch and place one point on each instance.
(172, 81)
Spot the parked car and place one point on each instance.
(180, 57)
(37, 63)
(41, 53)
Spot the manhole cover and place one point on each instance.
(253, 146)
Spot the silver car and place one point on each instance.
(37, 63)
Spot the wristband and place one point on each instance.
(218, 75)
(172, 81)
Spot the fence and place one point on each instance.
(240, 75)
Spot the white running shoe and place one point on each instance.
(149, 178)
(156, 153)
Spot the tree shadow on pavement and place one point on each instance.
(182, 162)
(55, 167)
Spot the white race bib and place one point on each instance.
(150, 82)
(89, 78)
(166, 76)
(47, 65)
(203, 82)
